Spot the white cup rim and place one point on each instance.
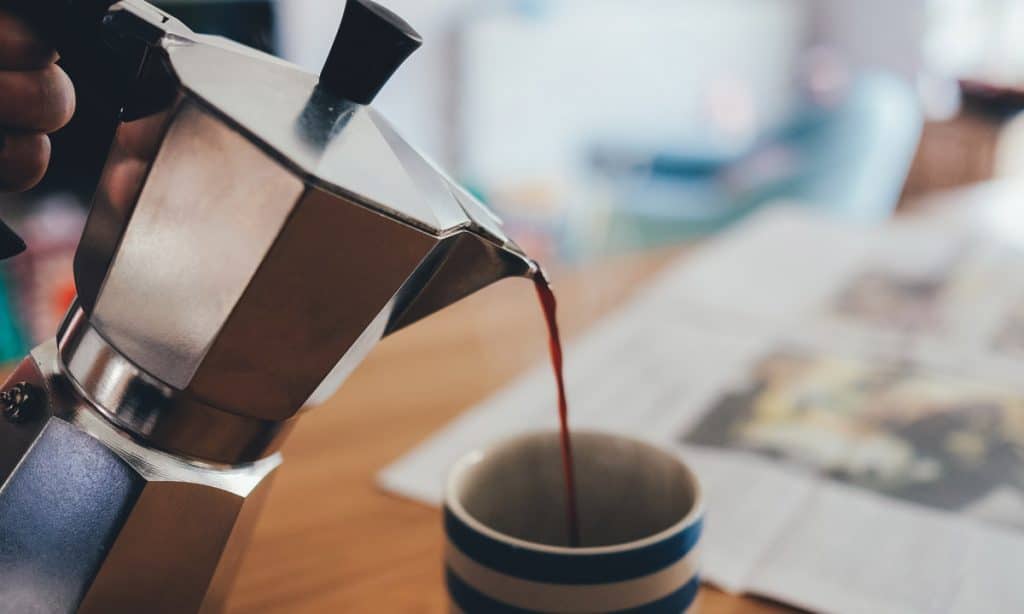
(458, 470)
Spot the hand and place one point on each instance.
(36, 98)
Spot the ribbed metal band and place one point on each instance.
(153, 412)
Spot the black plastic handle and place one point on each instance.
(73, 27)
(66, 24)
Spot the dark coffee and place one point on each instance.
(550, 306)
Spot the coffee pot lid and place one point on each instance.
(322, 126)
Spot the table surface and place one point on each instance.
(329, 540)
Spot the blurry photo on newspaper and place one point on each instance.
(895, 429)
(850, 397)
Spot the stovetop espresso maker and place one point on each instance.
(255, 232)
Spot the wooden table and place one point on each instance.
(329, 540)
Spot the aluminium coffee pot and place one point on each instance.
(256, 231)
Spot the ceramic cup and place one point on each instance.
(640, 516)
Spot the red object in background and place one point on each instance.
(1000, 100)
(550, 306)
(63, 295)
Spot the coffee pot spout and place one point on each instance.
(461, 266)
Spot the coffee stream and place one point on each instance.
(550, 306)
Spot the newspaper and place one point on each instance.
(851, 398)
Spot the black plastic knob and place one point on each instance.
(371, 44)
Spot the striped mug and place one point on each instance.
(640, 518)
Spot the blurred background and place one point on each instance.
(597, 127)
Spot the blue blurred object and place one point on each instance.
(851, 159)
(13, 344)
(855, 160)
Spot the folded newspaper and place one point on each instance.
(852, 399)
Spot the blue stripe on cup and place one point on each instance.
(471, 601)
(576, 568)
